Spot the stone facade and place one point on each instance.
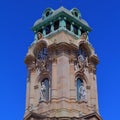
(56, 71)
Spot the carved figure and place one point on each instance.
(82, 92)
(84, 36)
(39, 35)
(43, 92)
(82, 62)
(76, 67)
(81, 58)
(43, 66)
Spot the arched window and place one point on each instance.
(47, 13)
(44, 90)
(76, 13)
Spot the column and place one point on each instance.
(35, 36)
(72, 80)
(28, 91)
(52, 27)
(72, 26)
(79, 32)
(44, 31)
(63, 23)
(32, 82)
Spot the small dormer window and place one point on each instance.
(76, 13)
(47, 12)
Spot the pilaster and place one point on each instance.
(72, 80)
(54, 78)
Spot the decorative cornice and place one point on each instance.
(44, 117)
(58, 13)
(29, 58)
(94, 59)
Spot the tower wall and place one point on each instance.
(61, 83)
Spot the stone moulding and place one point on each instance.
(35, 116)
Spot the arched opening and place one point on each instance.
(76, 13)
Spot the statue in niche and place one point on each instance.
(82, 92)
(39, 35)
(43, 92)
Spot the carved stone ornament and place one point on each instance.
(41, 66)
(81, 58)
(79, 66)
(92, 69)
(39, 35)
(84, 36)
(76, 66)
(54, 60)
(31, 67)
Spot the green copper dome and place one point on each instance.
(52, 13)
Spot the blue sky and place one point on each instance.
(16, 20)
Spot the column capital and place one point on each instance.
(54, 60)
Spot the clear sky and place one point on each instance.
(16, 20)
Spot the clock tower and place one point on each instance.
(61, 63)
